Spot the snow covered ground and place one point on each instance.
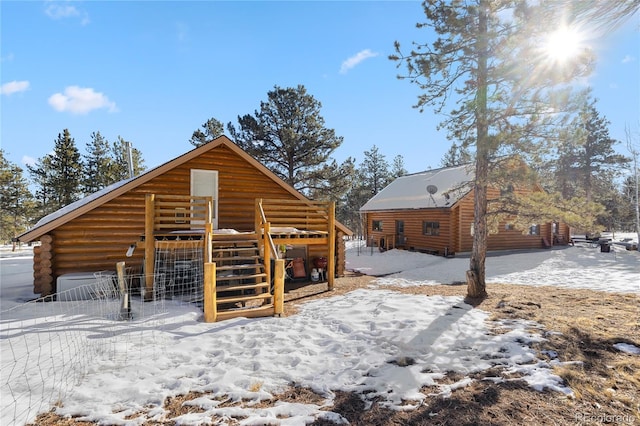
(581, 266)
(378, 342)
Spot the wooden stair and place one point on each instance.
(242, 287)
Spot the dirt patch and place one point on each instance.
(578, 325)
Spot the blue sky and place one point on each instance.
(155, 71)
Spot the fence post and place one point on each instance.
(210, 303)
(125, 305)
(331, 269)
(149, 246)
(278, 287)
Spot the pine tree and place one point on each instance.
(66, 170)
(374, 171)
(17, 205)
(210, 130)
(120, 163)
(98, 164)
(628, 205)
(371, 176)
(486, 61)
(289, 137)
(397, 168)
(596, 158)
(456, 156)
(42, 177)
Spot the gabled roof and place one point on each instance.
(90, 202)
(447, 185)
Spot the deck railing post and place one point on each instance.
(278, 289)
(210, 303)
(208, 241)
(267, 251)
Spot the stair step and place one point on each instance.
(245, 236)
(239, 277)
(262, 311)
(233, 243)
(239, 287)
(233, 250)
(246, 259)
(236, 299)
(240, 267)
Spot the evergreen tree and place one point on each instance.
(456, 156)
(628, 205)
(120, 161)
(486, 60)
(17, 205)
(332, 181)
(566, 170)
(397, 168)
(98, 164)
(374, 173)
(66, 170)
(42, 177)
(596, 158)
(210, 130)
(288, 136)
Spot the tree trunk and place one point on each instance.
(476, 286)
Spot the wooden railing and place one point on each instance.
(180, 212)
(302, 215)
(266, 227)
(298, 222)
(191, 217)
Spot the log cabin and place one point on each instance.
(168, 207)
(433, 212)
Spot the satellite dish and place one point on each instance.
(432, 189)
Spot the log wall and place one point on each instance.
(455, 229)
(100, 238)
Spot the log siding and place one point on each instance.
(99, 238)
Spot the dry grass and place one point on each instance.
(581, 325)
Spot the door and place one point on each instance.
(205, 183)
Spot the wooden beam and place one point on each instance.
(278, 290)
(125, 303)
(210, 303)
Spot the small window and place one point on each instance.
(509, 227)
(534, 230)
(431, 228)
(377, 225)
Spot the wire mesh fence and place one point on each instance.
(47, 345)
(181, 273)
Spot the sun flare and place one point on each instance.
(563, 44)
